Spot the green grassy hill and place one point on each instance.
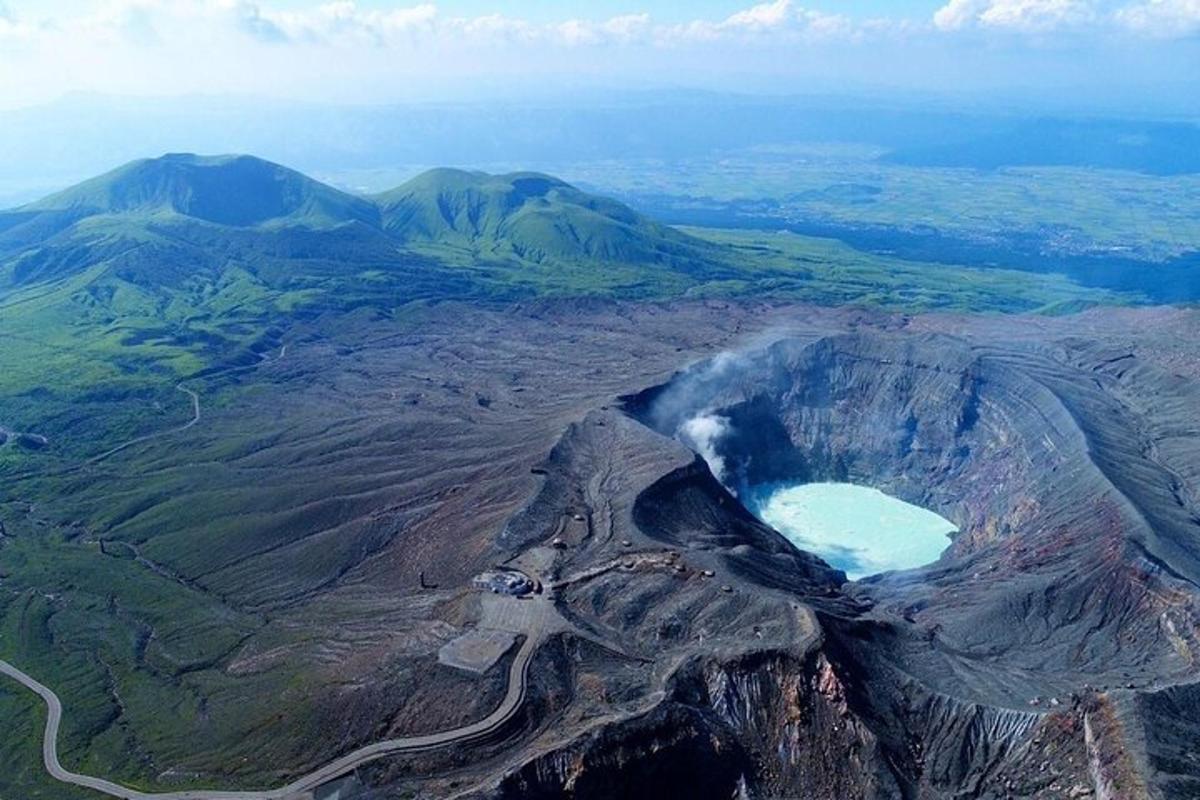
(162, 222)
(535, 218)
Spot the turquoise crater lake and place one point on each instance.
(857, 529)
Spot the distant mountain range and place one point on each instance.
(522, 216)
(192, 224)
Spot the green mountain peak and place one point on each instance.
(233, 190)
(532, 217)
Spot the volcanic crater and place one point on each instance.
(1035, 658)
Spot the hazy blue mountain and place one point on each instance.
(233, 190)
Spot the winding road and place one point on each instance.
(302, 787)
(195, 418)
(195, 410)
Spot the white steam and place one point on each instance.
(701, 433)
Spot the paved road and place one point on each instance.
(262, 357)
(195, 418)
(302, 787)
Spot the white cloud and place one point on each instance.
(10, 26)
(325, 47)
(627, 27)
(1163, 18)
(311, 48)
(1147, 18)
(1015, 15)
(343, 22)
(762, 16)
(818, 24)
(957, 14)
(348, 23)
(497, 28)
(780, 19)
(1036, 15)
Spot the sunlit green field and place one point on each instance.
(828, 272)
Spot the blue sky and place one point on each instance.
(396, 50)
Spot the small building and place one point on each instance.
(505, 581)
